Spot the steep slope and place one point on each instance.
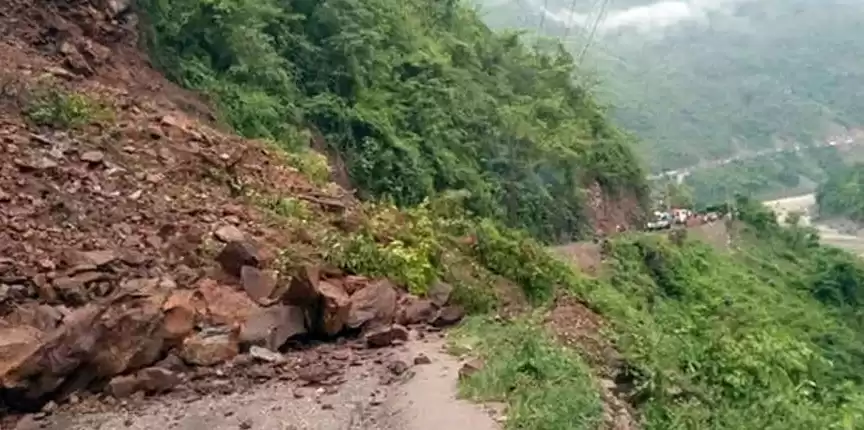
(415, 98)
(763, 334)
(145, 249)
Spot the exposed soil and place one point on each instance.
(582, 329)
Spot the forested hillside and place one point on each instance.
(768, 177)
(842, 194)
(417, 97)
(706, 79)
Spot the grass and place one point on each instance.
(545, 386)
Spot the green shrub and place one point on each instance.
(51, 106)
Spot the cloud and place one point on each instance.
(662, 14)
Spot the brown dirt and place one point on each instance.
(579, 327)
(586, 256)
(608, 212)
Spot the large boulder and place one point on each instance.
(40, 364)
(260, 285)
(182, 311)
(225, 305)
(210, 347)
(131, 335)
(373, 305)
(272, 327)
(303, 289)
(335, 307)
(237, 254)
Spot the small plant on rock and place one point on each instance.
(51, 106)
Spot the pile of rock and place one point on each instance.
(125, 341)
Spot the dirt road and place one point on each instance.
(423, 398)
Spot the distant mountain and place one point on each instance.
(705, 79)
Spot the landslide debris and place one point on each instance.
(132, 259)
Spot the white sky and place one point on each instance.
(662, 14)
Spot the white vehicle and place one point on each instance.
(662, 220)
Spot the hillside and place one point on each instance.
(158, 269)
(842, 194)
(705, 80)
(148, 249)
(434, 101)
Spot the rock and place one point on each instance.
(122, 386)
(265, 354)
(336, 308)
(74, 60)
(258, 284)
(173, 363)
(49, 407)
(421, 359)
(374, 305)
(93, 157)
(99, 258)
(303, 288)
(417, 312)
(118, 7)
(17, 344)
(397, 367)
(60, 72)
(131, 337)
(352, 284)
(155, 132)
(225, 306)
(229, 234)
(157, 379)
(181, 313)
(237, 254)
(273, 326)
(72, 289)
(39, 367)
(439, 293)
(209, 348)
(43, 317)
(385, 336)
(36, 164)
(471, 367)
(448, 316)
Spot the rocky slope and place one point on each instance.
(137, 250)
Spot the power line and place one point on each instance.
(543, 16)
(588, 42)
(569, 20)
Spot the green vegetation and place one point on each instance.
(546, 387)
(721, 79)
(50, 105)
(768, 335)
(457, 131)
(418, 97)
(767, 177)
(843, 194)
